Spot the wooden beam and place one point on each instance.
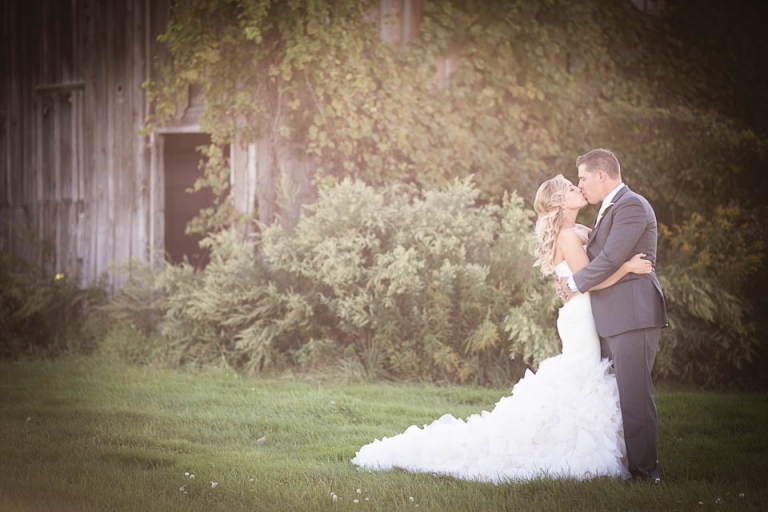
(60, 86)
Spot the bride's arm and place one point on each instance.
(635, 265)
(571, 247)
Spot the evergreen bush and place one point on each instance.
(393, 283)
(705, 264)
(43, 313)
(419, 286)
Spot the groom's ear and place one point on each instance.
(601, 176)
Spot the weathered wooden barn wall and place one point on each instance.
(80, 187)
(76, 170)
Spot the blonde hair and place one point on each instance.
(547, 204)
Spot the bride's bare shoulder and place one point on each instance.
(568, 234)
(584, 232)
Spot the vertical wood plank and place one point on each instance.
(390, 21)
(38, 201)
(265, 181)
(412, 14)
(56, 149)
(99, 120)
(64, 48)
(238, 171)
(141, 156)
(27, 107)
(90, 226)
(250, 188)
(5, 138)
(159, 220)
(107, 141)
(123, 190)
(154, 192)
(5, 153)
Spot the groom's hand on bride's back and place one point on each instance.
(561, 286)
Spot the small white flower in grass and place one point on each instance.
(192, 477)
(701, 503)
(367, 498)
(741, 495)
(358, 491)
(335, 498)
(214, 485)
(410, 498)
(355, 501)
(718, 501)
(181, 488)
(250, 479)
(186, 474)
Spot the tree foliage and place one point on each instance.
(536, 84)
(707, 262)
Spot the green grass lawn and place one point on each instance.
(85, 434)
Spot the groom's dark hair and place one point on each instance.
(601, 160)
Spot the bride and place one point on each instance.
(562, 421)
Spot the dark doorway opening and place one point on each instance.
(181, 162)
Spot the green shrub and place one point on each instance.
(392, 283)
(124, 342)
(418, 286)
(43, 313)
(230, 313)
(706, 263)
(380, 283)
(137, 302)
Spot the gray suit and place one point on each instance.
(629, 316)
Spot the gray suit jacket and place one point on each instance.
(636, 301)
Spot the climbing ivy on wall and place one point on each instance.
(536, 84)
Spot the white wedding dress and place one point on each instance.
(563, 421)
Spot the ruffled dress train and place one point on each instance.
(563, 421)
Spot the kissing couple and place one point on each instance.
(590, 410)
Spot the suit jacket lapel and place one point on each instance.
(597, 225)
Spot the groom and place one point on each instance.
(630, 314)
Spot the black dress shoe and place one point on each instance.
(654, 477)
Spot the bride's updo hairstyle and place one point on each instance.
(548, 207)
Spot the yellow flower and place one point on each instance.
(58, 277)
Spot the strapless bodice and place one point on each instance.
(563, 270)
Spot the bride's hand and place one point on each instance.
(637, 265)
